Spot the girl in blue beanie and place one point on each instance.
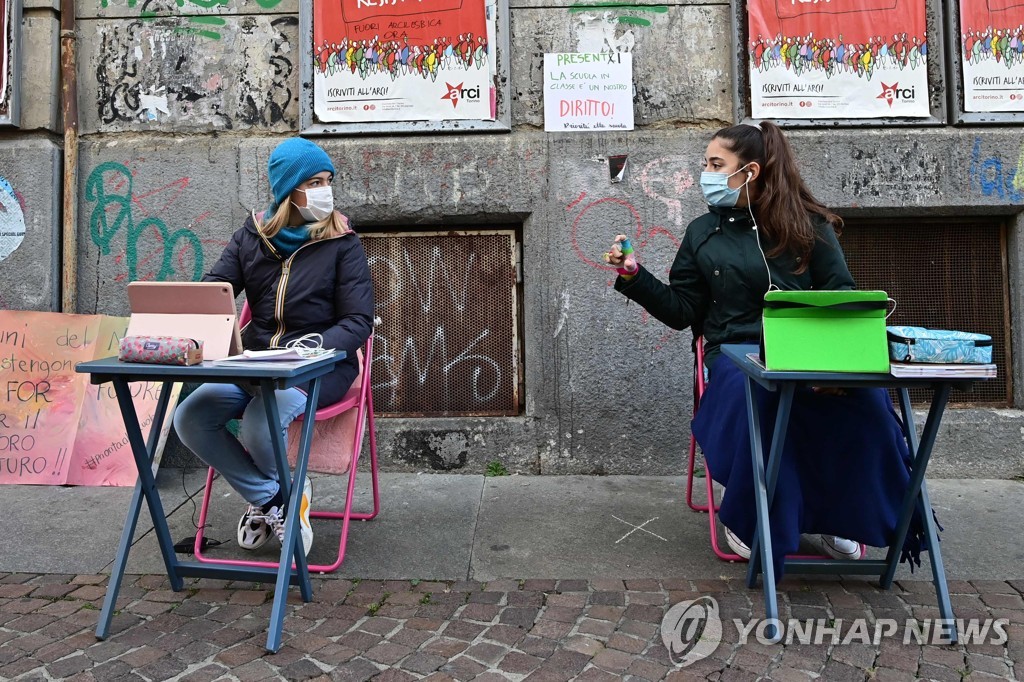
(303, 271)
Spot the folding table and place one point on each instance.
(765, 477)
(268, 376)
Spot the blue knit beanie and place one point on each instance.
(291, 163)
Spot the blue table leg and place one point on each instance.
(292, 545)
(764, 488)
(917, 497)
(772, 476)
(144, 462)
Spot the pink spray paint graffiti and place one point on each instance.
(665, 181)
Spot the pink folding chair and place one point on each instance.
(359, 398)
(710, 507)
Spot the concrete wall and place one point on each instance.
(178, 116)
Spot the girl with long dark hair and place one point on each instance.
(845, 466)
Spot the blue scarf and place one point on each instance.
(288, 239)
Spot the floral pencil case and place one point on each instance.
(160, 350)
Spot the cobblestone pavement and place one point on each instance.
(600, 629)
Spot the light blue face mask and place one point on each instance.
(716, 188)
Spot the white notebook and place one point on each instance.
(280, 354)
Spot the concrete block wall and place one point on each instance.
(30, 171)
(179, 113)
(29, 224)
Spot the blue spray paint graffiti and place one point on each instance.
(992, 178)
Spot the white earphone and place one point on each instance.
(757, 236)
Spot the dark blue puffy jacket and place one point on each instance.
(324, 288)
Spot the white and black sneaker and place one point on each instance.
(274, 518)
(253, 531)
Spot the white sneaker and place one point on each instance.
(275, 518)
(736, 545)
(836, 547)
(253, 531)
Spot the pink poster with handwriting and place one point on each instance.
(55, 427)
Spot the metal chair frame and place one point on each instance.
(710, 507)
(359, 397)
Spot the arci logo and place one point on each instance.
(457, 93)
(691, 630)
(894, 93)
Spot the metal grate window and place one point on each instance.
(944, 274)
(448, 342)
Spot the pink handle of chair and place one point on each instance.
(245, 316)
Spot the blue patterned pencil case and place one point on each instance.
(918, 344)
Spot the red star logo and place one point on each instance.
(887, 92)
(453, 94)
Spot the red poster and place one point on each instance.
(1000, 5)
(791, 9)
(992, 50)
(402, 60)
(838, 58)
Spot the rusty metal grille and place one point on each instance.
(945, 274)
(448, 342)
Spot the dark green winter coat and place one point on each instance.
(718, 279)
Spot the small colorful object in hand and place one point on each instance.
(627, 250)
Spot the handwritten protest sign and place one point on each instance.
(55, 427)
(584, 91)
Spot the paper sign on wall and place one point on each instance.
(56, 428)
(588, 91)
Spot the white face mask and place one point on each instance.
(319, 203)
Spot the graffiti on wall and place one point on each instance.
(608, 26)
(596, 222)
(997, 175)
(665, 180)
(148, 72)
(12, 219)
(126, 223)
(620, 12)
(203, 25)
(436, 350)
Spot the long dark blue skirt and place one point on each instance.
(844, 470)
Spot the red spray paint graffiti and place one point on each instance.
(589, 245)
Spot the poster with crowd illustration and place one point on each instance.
(992, 52)
(403, 60)
(838, 58)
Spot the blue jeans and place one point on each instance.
(247, 463)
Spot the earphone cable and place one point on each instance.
(757, 238)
